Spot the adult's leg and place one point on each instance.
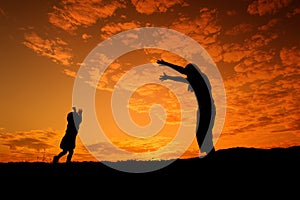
(204, 132)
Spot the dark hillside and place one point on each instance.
(243, 169)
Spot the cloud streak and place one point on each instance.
(36, 146)
(55, 49)
(263, 7)
(149, 7)
(29, 145)
(149, 149)
(69, 15)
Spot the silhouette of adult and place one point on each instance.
(68, 141)
(199, 83)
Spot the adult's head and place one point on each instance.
(191, 69)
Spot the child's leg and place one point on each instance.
(56, 158)
(69, 157)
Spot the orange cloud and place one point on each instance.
(266, 139)
(70, 15)
(234, 52)
(143, 149)
(113, 28)
(291, 57)
(262, 99)
(145, 96)
(269, 25)
(254, 62)
(294, 12)
(262, 103)
(204, 28)
(150, 6)
(260, 40)
(85, 36)
(263, 7)
(231, 12)
(56, 49)
(36, 146)
(28, 145)
(240, 29)
(70, 73)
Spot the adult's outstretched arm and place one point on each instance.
(178, 68)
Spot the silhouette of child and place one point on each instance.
(68, 141)
(199, 83)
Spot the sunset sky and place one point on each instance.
(255, 46)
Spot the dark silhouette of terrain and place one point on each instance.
(236, 163)
(242, 173)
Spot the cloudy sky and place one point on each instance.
(254, 45)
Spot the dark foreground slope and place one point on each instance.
(236, 168)
(233, 161)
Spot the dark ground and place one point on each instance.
(230, 172)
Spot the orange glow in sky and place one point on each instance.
(255, 45)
